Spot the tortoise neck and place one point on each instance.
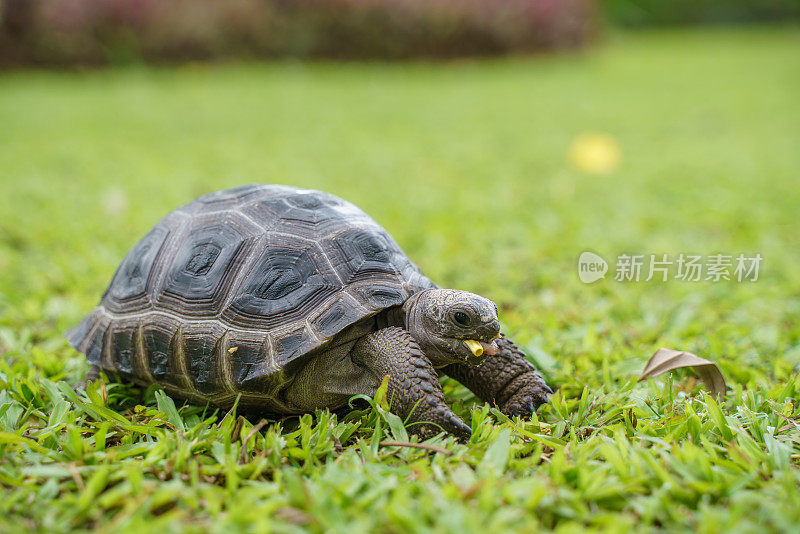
(413, 312)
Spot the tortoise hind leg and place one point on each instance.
(91, 376)
(414, 391)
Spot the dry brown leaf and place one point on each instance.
(665, 360)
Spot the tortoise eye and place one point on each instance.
(461, 318)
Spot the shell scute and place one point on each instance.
(129, 287)
(380, 296)
(290, 277)
(249, 353)
(201, 346)
(157, 345)
(204, 264)
(290, 344)
(335, 317)
(361, 254)
(230, 197)
(123, 348)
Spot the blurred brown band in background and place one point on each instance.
(93, 32)
(99, 32)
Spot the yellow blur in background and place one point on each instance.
(595, 153)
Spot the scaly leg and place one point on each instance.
(414, 391)
(506, 379)
(91, 376)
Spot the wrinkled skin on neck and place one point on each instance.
(440, 320)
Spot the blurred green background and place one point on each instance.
(477, 168)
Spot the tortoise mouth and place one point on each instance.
(479, 348)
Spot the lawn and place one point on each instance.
(465, 164)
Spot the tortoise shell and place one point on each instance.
(225, 295)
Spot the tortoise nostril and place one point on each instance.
(488, 331)
(494, 326)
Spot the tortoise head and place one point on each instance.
(451, 325)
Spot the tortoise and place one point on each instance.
(293, 300)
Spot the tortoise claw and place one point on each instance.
(454, 426)
(527, 400)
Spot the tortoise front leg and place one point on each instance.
(414, 391)
(506, 379)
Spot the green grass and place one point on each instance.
(465, 164)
